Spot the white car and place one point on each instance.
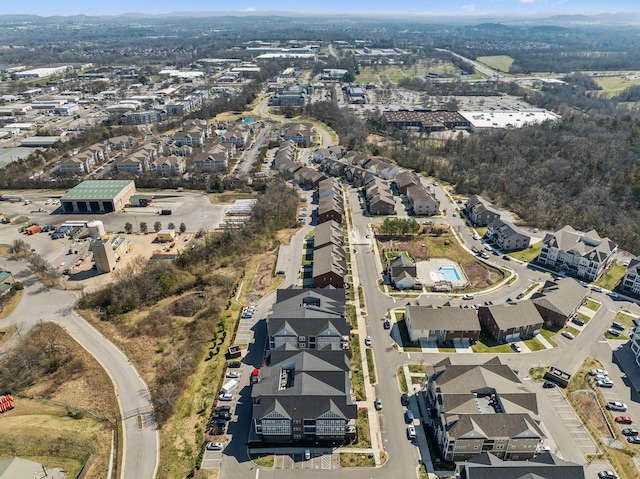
(616, 406)
(214, 446)
(367, 341)
(468, 296)
(595, 372)
(605, 383)
(476, 237)
(411, 432)
(568, 335)
(225, 397)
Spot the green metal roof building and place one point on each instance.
(98, 196)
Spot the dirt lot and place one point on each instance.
(84, 277)
(263, 277)
(589, 406)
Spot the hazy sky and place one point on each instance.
(114, 7)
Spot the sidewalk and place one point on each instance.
(544, 341)
(374, 424)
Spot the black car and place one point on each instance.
(506, 257)
(516, 347)
(219, 409)
(404, 399)
(387, 324)
(578, 321)
(520, 296)
(235, 364)
(549, 385)
(222, 415)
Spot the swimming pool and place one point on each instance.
(450, 273)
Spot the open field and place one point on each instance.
(497, 62)
(613, 85)
(393, 73)
(71, 411)
(612, 277)
(529, 254)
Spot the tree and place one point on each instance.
(171, 226)
(143, 227)
(157, 226)
(128, 227)
(183, 227)
(20, 248)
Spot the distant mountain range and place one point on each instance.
(601, 19)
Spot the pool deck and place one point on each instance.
(429, 272)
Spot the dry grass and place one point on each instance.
(5, 250)
(588, 405)
(11, 304)
(81, 385)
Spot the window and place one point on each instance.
(302, 338)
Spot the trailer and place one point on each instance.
(34, 229)
(229, 386)
(12, 198)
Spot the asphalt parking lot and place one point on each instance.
(318, 461)
(574, 426)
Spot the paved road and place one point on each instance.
(141, 447)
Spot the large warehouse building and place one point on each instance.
(98, 196)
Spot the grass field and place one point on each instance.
(613, 85)
(497, 62)
(371, 366)
(356, 368)
(11, 304)
(534, 345)
(528, 254)
(612, 277)
(592, 304)
(393, 73)
(4, 250)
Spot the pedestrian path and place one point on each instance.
(544, 341)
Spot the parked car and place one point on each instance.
(411, 432)
(387, 324)
(367, 341)
(506, 257)
(633, 439)
(613, 332)
(605, 383)
(484, 255)
(235, 364)
(476, 237)
(578, 321)
(222, 409)
(520, 296)
(233, 374)
(214, 446)
(613, 295)
(468, 296)
(616, 406)
(623, 420)
(404, 399)
(225, 397)
(488, 248)
(595, 372)
(607, 475)
(516, 348)
(408, 416)
(307, 454)
(617, 325)
(597, 289)
(378, 404)
(629, 431)
(549, 385)
(568, 335)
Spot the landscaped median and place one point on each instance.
(589, 403)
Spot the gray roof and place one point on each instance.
(506, 228)
(515, 315)
(588, 245)
(319, 382)
(330, 299)
(328, 232)
(329, 258)
(543, 466)
(407, 178)
(562, 296)
(459, 384)
(443, 319)
(472, 426)
(18, 468)
(419, 194)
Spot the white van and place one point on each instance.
(229, 386)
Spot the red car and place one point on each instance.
(624, 420)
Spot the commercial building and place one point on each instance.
(427, 120)
(504, 119)
(98, 196)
